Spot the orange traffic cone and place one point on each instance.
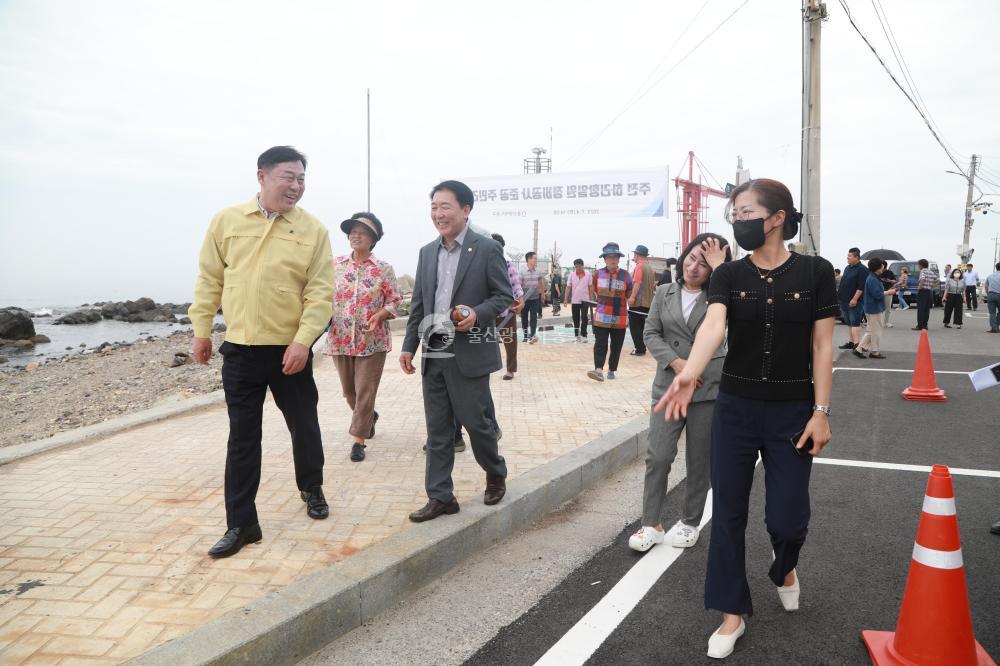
(923, 386)
(935, 624)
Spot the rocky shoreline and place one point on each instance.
(91, 386)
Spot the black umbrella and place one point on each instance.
(888, 255)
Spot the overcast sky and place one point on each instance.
(127, 125)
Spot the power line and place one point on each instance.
(635, 101)
(890, 36)
(902, 89)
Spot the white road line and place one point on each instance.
(580, 642)
(936, 372)
(960, 471)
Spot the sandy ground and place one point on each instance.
(93, 386)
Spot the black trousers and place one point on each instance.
(247, 373)
(636, 326)
(601, 337)
(923, 307)
(953, 304)
(971, 298)
(742, 427)
(580, 311)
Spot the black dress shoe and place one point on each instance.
(316, 505)
(996, 528)
(459, 444)
(636, 353)
(357, 452)
(433, 509)
(496, 488)
(372, 432)
(847, 345)
(234, 539)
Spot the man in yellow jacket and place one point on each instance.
(268, 264)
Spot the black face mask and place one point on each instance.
(749, 233)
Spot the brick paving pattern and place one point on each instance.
(102, 546)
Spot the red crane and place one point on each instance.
(692, 202)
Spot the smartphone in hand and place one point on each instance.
(806, 448)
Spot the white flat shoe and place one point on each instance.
(789, 595)
(720, 646)
(645, 538)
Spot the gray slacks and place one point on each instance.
(663, 437)
(448, 395)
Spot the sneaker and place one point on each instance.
(508, 375)
(888, 325)
(847, 345)
(357, 452)
(683, 536)
(959, 326)
(459, 444)
(611, 374)
(645, 538)
(579, 339)
(533, 340)
(596, 375)
(857, 352)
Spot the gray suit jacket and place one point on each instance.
(481, 282)
(668, 337)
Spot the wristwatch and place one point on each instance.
(822, 408)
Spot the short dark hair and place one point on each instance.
(498, 238)
(528, 255)
(578, 262)
(922, 263)
(836, 271)
(855, 251)
(875, 263)
(671, 261)
(696, 242)
(997, 266)
(969, 265)
(463, 193)
(279, 155)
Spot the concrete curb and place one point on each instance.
(9, 454)
(299, 619)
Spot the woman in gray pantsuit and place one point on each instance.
(677, 311)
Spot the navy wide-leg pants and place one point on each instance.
(742, 428)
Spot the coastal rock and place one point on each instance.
(16, 324)
(181, 358)
(184, 320)
(31, 367)
(39, 339)
(88, 316)
(218, 328)
(3, 359)
(140, 305)
(113, 310)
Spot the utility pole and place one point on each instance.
(966, 253)
(534, 243)
(813, 15)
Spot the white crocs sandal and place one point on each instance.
(683, 536)
(645, 538)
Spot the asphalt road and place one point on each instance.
(510, 604)
(854, 565)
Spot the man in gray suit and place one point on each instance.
(463, 274)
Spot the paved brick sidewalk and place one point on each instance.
(102, 546)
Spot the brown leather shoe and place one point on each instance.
(433, 509)
(496, 488)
